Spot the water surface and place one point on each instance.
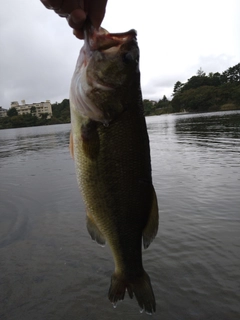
(51, 270)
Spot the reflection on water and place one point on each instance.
(217, 132)
(49, 267)
(30, 140)
(210, 124)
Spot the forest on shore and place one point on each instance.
(201, 93)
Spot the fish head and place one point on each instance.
(106, 76)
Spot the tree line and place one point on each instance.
(212, 92)
(201, 93)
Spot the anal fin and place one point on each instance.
(151, 228)
(94, 232)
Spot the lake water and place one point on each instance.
(51, 270)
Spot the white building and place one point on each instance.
(3, 112)
(34, 108)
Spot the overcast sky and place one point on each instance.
(176, 37)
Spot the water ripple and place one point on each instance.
(49, 267)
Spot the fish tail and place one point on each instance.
(140, 286)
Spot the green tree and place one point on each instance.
(61, 111)
(195, 82)
(17, 121)
(33, 110)
(149, 107)
(177, 87)
(208, 93)
(201, 73)
(232, 74)
(215, 79)
(44, 115)
(12, 112)
(163, 103)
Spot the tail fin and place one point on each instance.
(140, 287)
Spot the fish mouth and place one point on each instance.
(102, 40)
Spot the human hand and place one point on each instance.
(77, 11)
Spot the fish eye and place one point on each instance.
(127, 58)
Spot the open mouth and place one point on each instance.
(102, 40)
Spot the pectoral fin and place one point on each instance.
(151, 227)
(94, 232)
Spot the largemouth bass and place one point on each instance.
(110, 145)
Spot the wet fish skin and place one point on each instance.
(112, 158)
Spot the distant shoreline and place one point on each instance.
(151, 115)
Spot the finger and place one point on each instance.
(52, 4)
(78, 33)
(68, 6)
(77, 18)
(96, 12)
